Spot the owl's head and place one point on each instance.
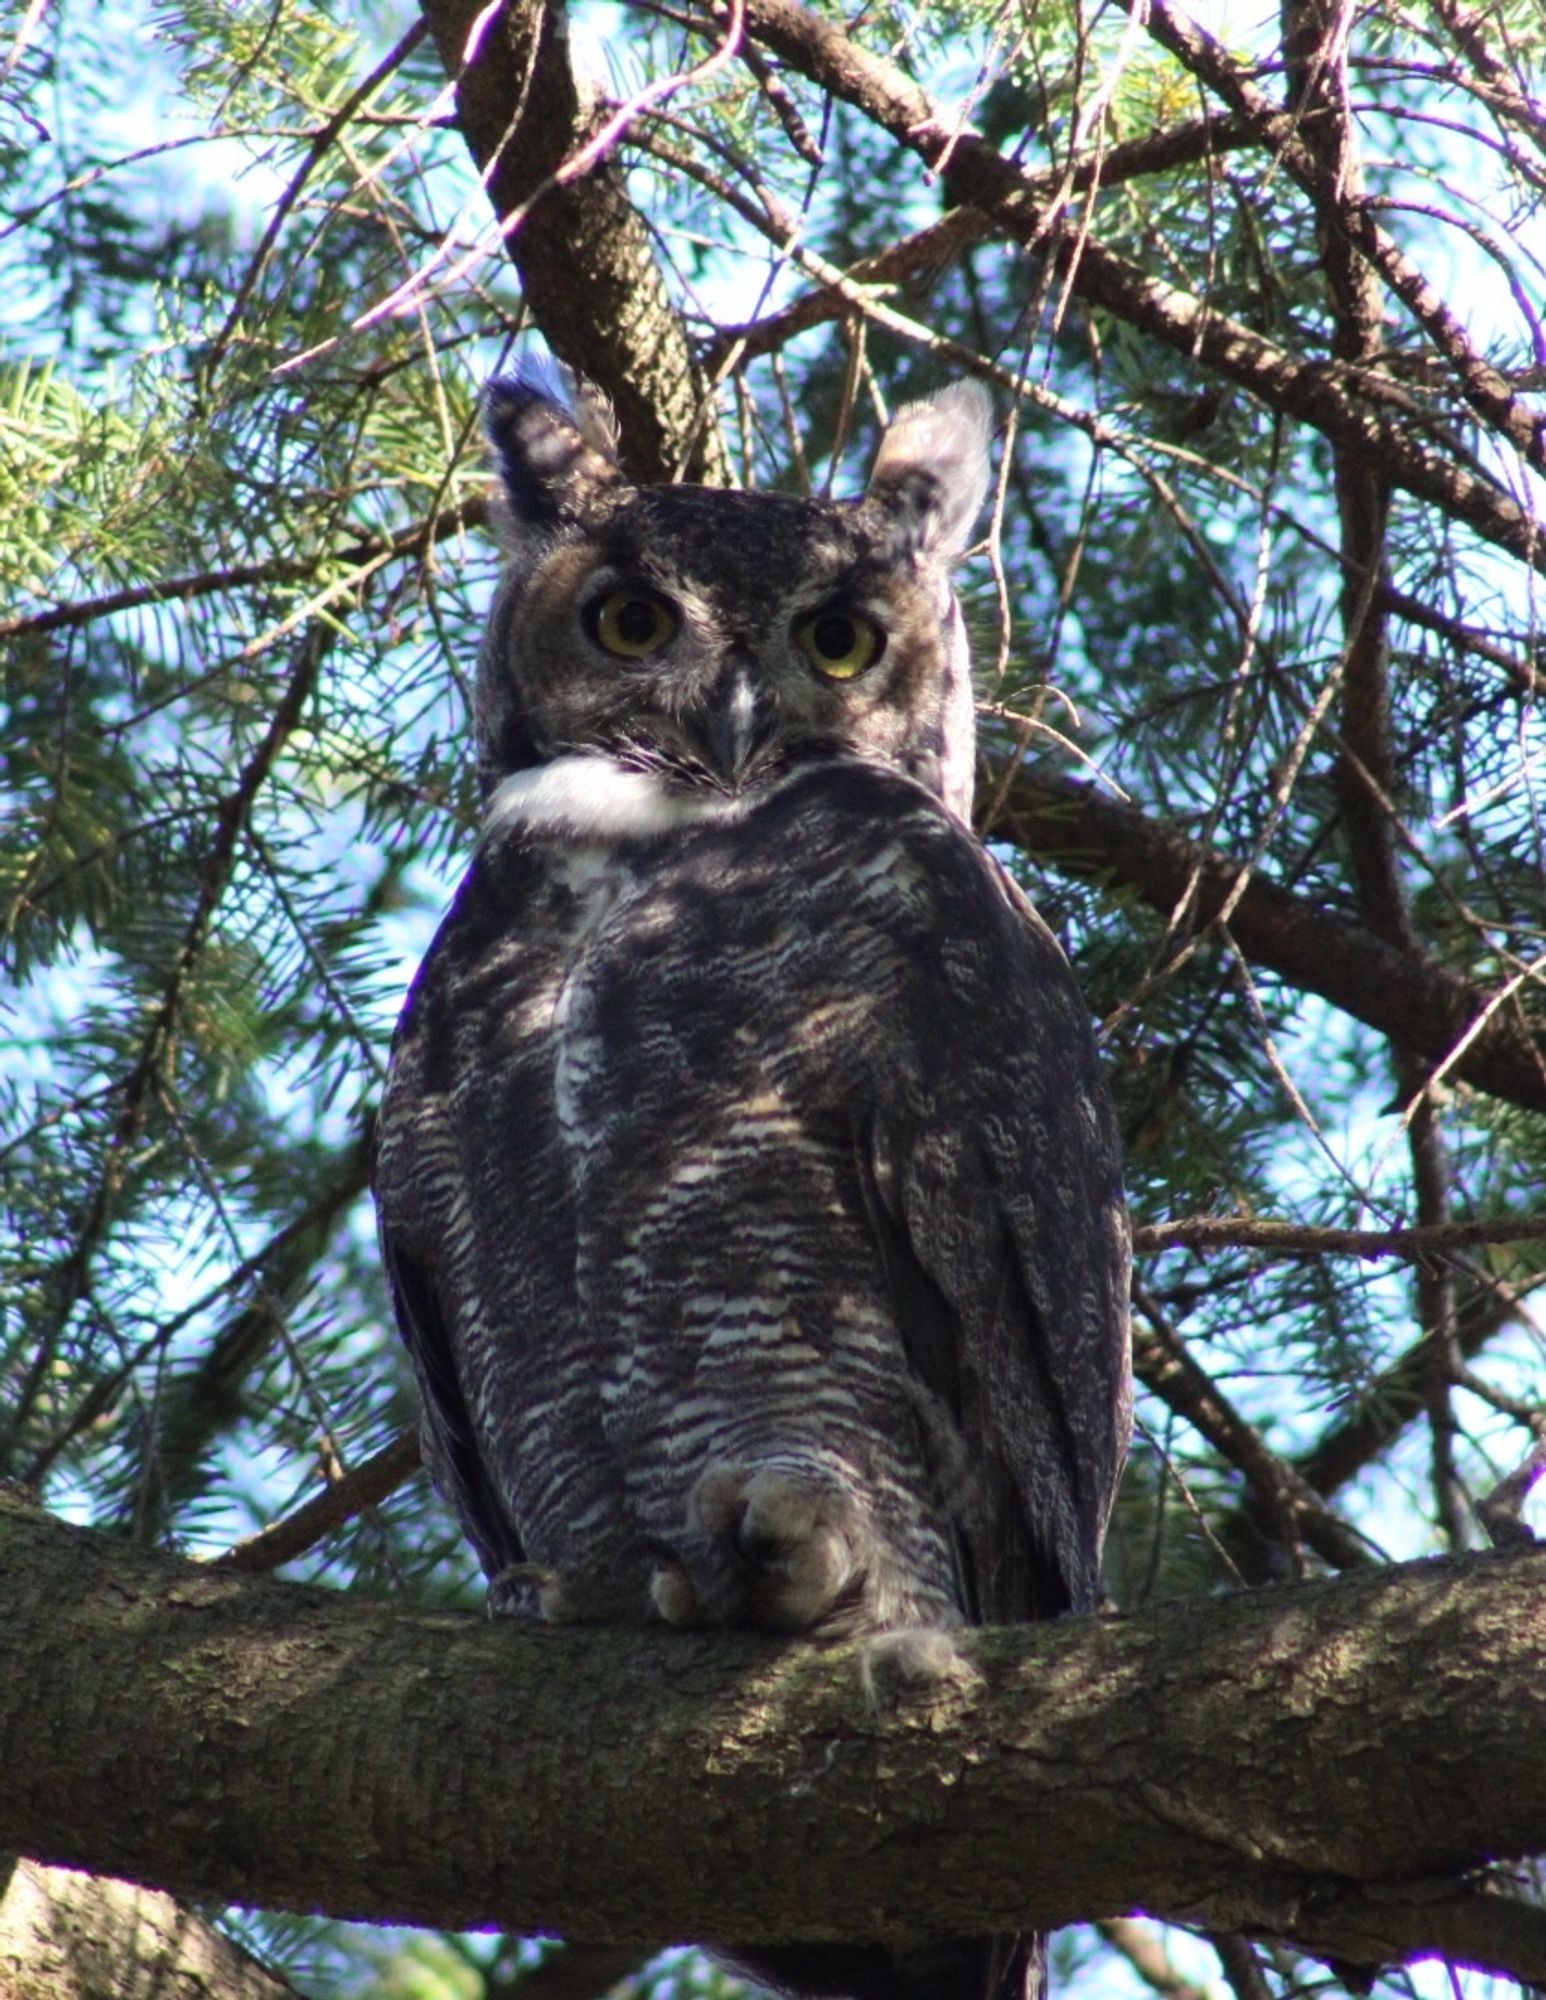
(702, 643)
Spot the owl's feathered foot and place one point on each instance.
(919, 1663)
(783, 1549)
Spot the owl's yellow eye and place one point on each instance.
(631, 623)
(840, 644)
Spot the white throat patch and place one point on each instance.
(589, 798)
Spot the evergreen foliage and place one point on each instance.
(1263, 576)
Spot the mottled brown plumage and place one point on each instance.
(748, 1188)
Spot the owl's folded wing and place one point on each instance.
(447, 1432)
(996, 1191)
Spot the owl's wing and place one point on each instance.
(427, 1190)
(448, 1436)
(993, 1178)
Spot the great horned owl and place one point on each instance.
(749, 1193)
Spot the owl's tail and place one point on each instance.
(1001, 1968)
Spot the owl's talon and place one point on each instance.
(797, 1536)
(920, 1662)
(523, 1588)
(672, 1594)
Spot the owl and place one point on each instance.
(749, 1193)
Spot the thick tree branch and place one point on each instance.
(1345, 213)
(1413, 999)
(587, 266)
(1351, 407)
(1268, 1761)
(927, 250)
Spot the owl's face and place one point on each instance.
(707, 642)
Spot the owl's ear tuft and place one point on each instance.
(931, 474)
(556, 462)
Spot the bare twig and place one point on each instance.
(1238, 1232)
(1330, 396)
(1499, 1513)
(356, 560)
(1287, 1508)
(1396, 1396)
(1412, 998)
(367, 1484)
(1339, 198)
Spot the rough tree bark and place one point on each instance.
(1330, 1762)
(583, 252)
(65, 1936)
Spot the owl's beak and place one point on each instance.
(732, 724)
